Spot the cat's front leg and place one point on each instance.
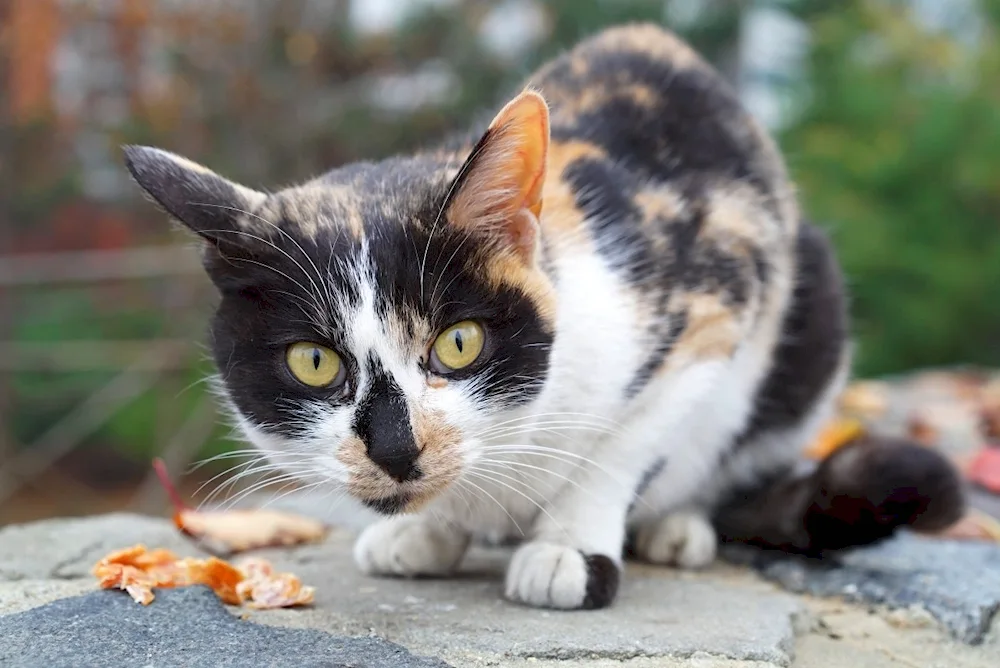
(574, 560)
(410, 545)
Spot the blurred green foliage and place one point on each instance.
(898, 153)
(895, 147)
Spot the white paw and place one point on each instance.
(681, 539)
(547, 575)
(409, 545)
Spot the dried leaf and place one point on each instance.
(838, 433)
(255, 582)
(228, 532)
(865, 399)
(265, 589)
(242, 530)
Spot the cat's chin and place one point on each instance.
(397, 504)
(388, 505)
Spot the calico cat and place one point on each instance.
(601, 320)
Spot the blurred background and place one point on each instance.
(888, 112)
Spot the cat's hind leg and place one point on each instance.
(684, 538)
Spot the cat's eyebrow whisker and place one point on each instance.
(314, 293)
(466, 165)
(444, 269)
(288, 236)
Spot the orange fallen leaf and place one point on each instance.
(241, 530)
(264, 588)
(138, 572)
(837, 433)
(865, 399)
(228, 532)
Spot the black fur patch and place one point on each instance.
(267, 304)
(813, 338)
(889, 484)
(389, 505)
(284, 290)
(694, 125)
(859, 495)
(648, 476)
(382, 421)
(603, 578)
(666, 340)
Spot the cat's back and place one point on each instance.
(635, 106)
(656, 168)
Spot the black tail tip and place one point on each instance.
(876, 485)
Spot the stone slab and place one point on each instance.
(957, 582)
(659, 612)
(722, 615)
(184, 627)
(69, 548)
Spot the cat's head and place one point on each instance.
(374, 322)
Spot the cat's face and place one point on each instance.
(375, 323)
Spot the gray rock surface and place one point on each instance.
(957, 582)
(660, 613)
(726, 616)
(186, 627)
(68, 548)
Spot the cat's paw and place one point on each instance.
(682, 539)
(547, 575)
(409, 546)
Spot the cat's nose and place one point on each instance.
(401, 467)
(382, 421)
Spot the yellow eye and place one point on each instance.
(313, 364)
(458, 346)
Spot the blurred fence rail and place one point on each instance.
(170, 277)
(99, 265)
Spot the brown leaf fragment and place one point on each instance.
(254, 582)
(241, 530)
(232, 531)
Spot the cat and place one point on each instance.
(600, 326)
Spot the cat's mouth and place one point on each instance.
(388, 505)
(398, 502)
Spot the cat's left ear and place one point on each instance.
(202, 200)
(499, 188)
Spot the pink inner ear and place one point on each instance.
(502, 191)
(523, 231)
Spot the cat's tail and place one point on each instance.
(860, 494)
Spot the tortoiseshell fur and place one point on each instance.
(664, 334)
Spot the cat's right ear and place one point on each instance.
(203, 201)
